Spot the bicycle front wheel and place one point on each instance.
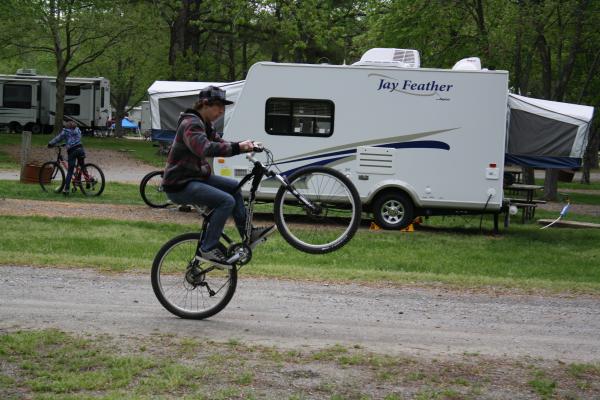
(93, 183)
(332, 218)
(152, 191)
(52, 177)
(186, 287)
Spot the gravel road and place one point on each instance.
(424, 322)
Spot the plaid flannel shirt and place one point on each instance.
(194, 142)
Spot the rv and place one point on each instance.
(414, 141)
(28, 101)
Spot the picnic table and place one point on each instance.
(526, 204)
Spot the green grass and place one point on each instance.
(579, 198)
(6, 162)
(114, 193)
(565, 186)
(138, 149)
(49, 364)
(523, 257)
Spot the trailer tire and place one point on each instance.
(393, 210)
(36, 129)
(15, 127)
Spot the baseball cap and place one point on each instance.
(214, 93)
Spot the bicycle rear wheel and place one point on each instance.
(152, 191)
(186, 287)
(93, 183)
(331, 223)
(52, 177)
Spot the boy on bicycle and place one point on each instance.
(72, 137)
(188, 177)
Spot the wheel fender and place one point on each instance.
(394, 184)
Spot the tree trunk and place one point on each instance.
(59, 112)
(528, 175)
(551, 185)
(244, 59)
(590, 159)
(231, 57)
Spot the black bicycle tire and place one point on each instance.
(143, 185)
(102, 181)
(60, 170)
(156, 286)
(344, 238)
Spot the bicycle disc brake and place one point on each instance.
(243, 250)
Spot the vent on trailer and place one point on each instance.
(26, 71)
(403, 58)
(375, 160)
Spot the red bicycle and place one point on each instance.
(52, 176)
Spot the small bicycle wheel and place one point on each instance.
(52, 177)
(334, 217)
(93, 183)
(189, 288)
(152, 191)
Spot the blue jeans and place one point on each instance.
(219, 194)
(75, 156)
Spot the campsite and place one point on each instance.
(431, 169)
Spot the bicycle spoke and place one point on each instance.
(184, 287)
(330, 221)
(91, 181)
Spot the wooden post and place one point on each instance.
(25, 151)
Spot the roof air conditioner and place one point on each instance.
(468, 64)
(403, 58)
(26, 71)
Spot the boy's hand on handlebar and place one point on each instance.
(248, 146)
(257, 147)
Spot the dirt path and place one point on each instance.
(423, 322)
(118, 166)
(103, 211)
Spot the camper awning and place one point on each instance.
(546, 134)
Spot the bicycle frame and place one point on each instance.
(256, 175)
(76, 172)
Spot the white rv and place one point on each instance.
(414, 141)
(28, 101)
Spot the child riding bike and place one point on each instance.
(71, 135)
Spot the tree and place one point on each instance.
(74, 32)
(135, 61)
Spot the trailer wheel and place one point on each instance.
(15, 127)
(393, 210)
(36, 129)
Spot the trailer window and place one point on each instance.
(71, 109)
(299, 117)
(17, 96)
(102, 97)
(72, 90)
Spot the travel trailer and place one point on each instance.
(28, 101)
(414, 141)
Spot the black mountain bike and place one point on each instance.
(52, 176)
(152, 191)
(317, 210)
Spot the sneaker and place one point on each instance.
(65, 192)
(259, 234)
(215, 256)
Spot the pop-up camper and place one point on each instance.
(169, 98)
(546, 134)
(414, 141)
